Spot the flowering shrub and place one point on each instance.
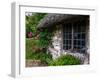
(30, 35)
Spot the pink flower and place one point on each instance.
(30, 34)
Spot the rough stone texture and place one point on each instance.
(34, 63)
(87, 59)
(83, 57)
(55, 50)
(51, 19)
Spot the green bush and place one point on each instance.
(45, 38)
(29, 44)
(46, 58)
(32, 21)
(43, 56)
(65, 60)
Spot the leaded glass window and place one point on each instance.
(74, 37)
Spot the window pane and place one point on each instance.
(83, 43)
(69, 42)
(83, 35)
(79, 42)
(70, 36)
(69, 47)
(67, 35)
(78, 37)
(75, 42)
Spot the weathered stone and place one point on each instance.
(56, 43)
(34, 63)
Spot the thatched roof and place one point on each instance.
(51, 19)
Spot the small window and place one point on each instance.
(74, 35)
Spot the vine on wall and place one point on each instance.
(45, 39)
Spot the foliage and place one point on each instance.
(43, 41)
(30, 42)
(36, 49)
(44, 57)
(65, 60)
(32, 22)
(45, 38)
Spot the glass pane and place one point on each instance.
(67, 36)
(83, 35)
(77, 35)
(69, 47)
(69, 42)
(79, 42)
(75, 42)
(70, 36)
(83, 43)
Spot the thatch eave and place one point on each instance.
(52, 19)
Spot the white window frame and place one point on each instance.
(18, 68)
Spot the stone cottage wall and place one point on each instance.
(55, 49)
(88, 37)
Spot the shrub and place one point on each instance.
(33, 54)
(65, 60)
(32, 22)
(45, 57)
(29, 44)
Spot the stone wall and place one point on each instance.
(55, 49)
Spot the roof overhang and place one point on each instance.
(52, 19)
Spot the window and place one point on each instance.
(74, 37)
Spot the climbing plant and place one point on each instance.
(45, 38)
(32, 22)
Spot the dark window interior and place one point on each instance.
(74, 37)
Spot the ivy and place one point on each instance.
(45, 38)
(32, 21)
